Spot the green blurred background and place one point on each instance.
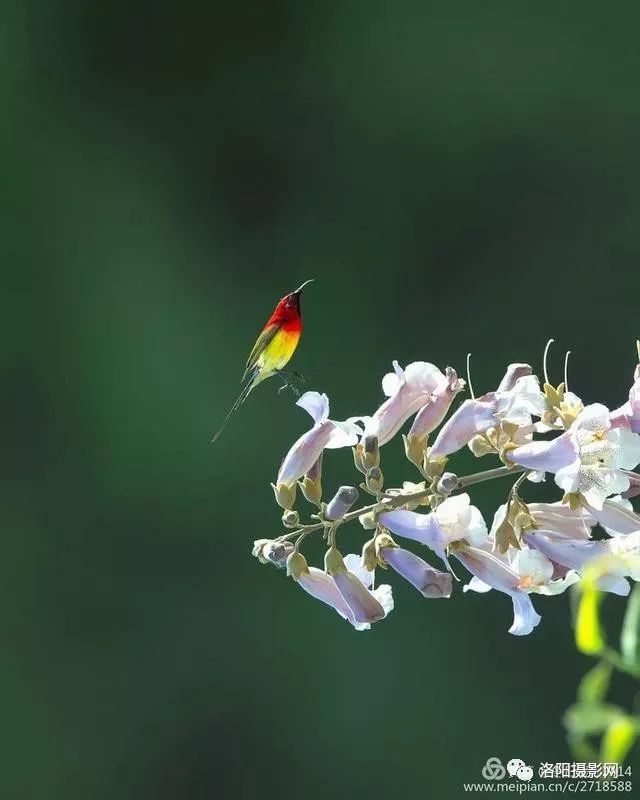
(455, 176)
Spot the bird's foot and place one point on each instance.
(292, 380)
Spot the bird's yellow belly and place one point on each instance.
(278, 352)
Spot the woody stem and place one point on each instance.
(395, 501)
(488, 475)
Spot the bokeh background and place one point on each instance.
(455, 176)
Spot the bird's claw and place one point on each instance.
(293, 388)
(288, 384)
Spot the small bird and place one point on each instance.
(273, 348)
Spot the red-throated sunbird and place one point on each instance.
(273, 348)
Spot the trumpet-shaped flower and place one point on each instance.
(492, 571)
(325, 434)
(588, 458)
(617, 517)
(574, 523)
(435, 410)
(407, 391)
(322, 586)
(454, 520)
(367, 606)
(576, 555)
(515, 405)
(428, 581)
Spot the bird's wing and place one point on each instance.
(261, 344)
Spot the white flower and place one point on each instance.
(407, 391)
(588, 458)
(628, 415)
(626, 549)
(325, 433)
(454, 520)
(492, 571)
(458, 519)
(536, 573)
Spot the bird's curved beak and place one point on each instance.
(297, 291)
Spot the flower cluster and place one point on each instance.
(531, 430)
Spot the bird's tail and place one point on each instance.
(239, 401)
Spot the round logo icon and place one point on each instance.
(493, 769)
(525, 773)
(514, 765)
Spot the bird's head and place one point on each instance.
(289, 306)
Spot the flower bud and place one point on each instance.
(375, 479)
(341, 502)
(276, 553)
(258, 549)
(447, 483)
(285, 495)
(371, 452)
(290, 519)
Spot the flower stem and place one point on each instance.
(388, 503)
(488, 475)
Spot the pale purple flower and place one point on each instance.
(366, 606)
(515, 405)
(341, 502)
(322, 586)
(325, 433)
(562, 519)
(453, 520)
(428, 581)
(492, 571)
(576, 554)
(588, 458)
(617, 517)
(407, 391)
(436, 408)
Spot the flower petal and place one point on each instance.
(315, 404)
(318, 584)
(548, 456)
(363, 604)
(473, 417)
(353, 562)
(617, 517)
(525, 618)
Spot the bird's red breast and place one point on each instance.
(287, 313)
